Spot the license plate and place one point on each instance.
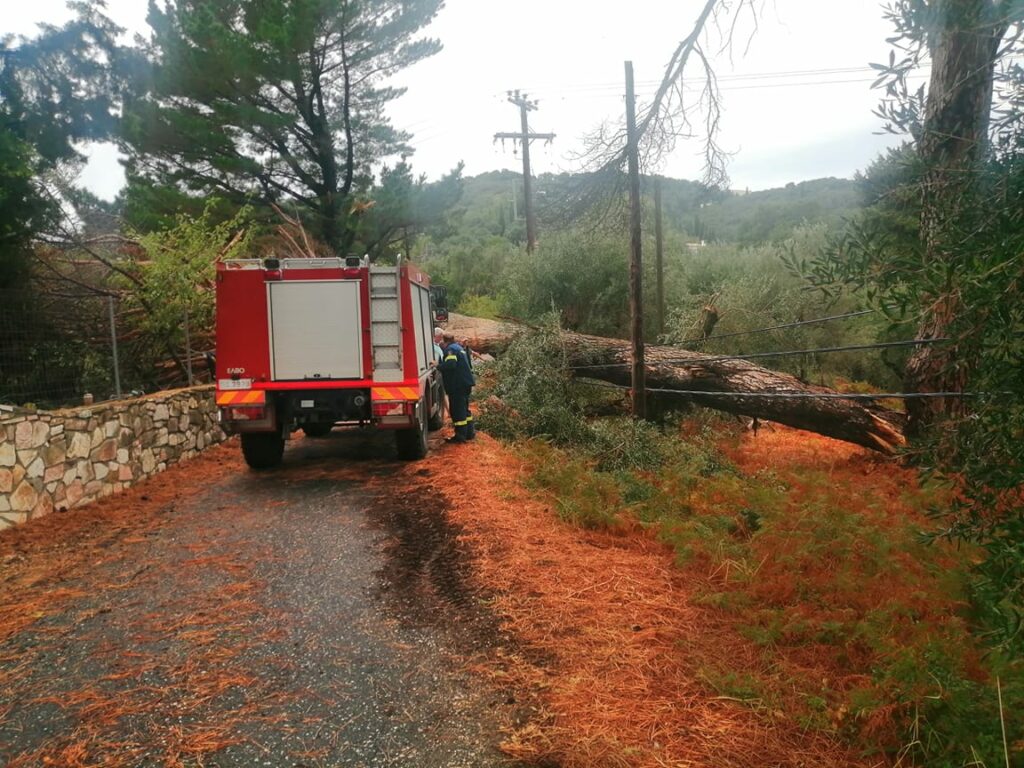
(307, 404)
(234, 384)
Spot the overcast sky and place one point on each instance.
(798, 103)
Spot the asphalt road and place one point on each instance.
(319, 614)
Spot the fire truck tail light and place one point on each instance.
(246, 414)
(381, 410)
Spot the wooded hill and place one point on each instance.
(699, 213)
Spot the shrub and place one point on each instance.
(476, 305)
(626, 444)
(582, 497)
(532, 391)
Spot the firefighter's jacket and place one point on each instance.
(455, 369)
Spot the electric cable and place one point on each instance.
(792, 395)
(783, 353)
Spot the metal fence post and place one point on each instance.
(188, 351)
(113, 347)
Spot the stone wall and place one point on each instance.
(58, 460)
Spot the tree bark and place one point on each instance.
(862, 423)
(952, 146)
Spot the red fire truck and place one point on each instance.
(311, 343)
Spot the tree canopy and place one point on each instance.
(276, 100)
(56, 90)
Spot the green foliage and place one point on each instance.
(583, 277)
(57, 91)
(23, 211)
(582, 274)
(176, 276)
(148, 206)
(755, 288)
(881, 255)
(403, 207)
(581, 497)
(624, 443)
(51, 369)
(804, 572)
(534, 391)
(300, 118)
(581, 270)
(467, 264)
(956, 718)
(771, 216)
(484, 307)
(61, 87)
(940, 244)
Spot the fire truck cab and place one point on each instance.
(311, 343)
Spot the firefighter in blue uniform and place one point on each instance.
(458, 383)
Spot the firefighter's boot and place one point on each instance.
(470, 429)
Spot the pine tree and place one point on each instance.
(276, 100)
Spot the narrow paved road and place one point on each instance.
(316, 615)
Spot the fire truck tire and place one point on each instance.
(262, 450)
(436, 420)
(317, 429)
(412, 443)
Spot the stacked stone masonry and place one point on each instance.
(59, 460)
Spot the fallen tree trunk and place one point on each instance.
(767, 395)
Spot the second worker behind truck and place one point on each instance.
(458, 383)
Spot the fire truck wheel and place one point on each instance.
(436, 420)
(412, 443)
(262, 450)
(317, 429)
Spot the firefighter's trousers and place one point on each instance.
(462, 419)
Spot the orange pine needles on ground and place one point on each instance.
(742, 627)
(618, 639)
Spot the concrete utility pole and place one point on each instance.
(636, 296)
(524, 137)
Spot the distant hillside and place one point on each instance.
(493, 202)
(770, 215)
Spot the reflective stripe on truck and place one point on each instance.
(249, 397)
(395, 393)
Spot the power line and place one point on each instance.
(759, 86)
(610, 94)
(784, 326)
(795, 395)
(784, 353)
(609, 85)
(734, 85)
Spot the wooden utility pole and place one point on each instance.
(524, 137)
(636, 295)
(659, 255)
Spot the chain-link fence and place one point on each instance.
(57, 347)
